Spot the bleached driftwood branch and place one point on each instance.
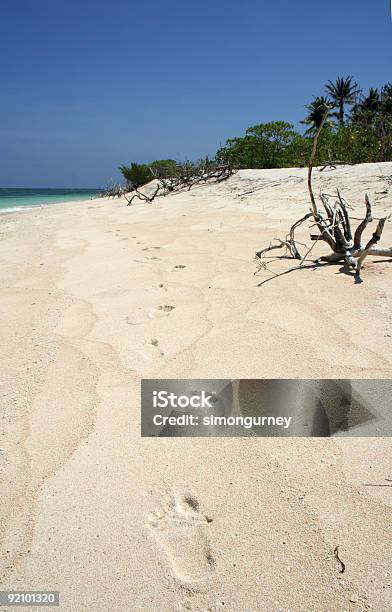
(334, 228)
(188, 176)
(141, 196)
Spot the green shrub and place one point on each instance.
(136, 175)
(164, 168)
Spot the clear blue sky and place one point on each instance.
(90, 84)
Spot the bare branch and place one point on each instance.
(362, 226)
(311, 162)
(373, 240)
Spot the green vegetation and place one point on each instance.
(342, 92)
(136, 175)
(164, 168)
(358, 130)
(362, 135)
(317, 110)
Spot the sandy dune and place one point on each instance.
(97, 295)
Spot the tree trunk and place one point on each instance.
(341, 113)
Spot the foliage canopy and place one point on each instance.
(358, 130)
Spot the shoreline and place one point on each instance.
(28, 207)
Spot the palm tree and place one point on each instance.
(343, 91)
(372, 101)
(317, 110)
(367, 109)
(386, 100)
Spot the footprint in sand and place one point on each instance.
(175, 268)
(145, 259)
(181, 530)
(154, 344)
(160, 311)
(154, 313)
(149, 350)
(158, 287)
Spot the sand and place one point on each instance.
(96, 295)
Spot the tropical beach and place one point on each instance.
(168, 290)
(196, 306)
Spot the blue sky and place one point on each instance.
(89, 84)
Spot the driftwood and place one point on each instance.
(112, 191)
(189, 175)
(334, 228)
(141, 196)
(334, 163)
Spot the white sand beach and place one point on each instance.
(96, 295)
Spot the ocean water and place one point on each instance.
(12, 200)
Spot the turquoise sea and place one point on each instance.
(22, 199)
